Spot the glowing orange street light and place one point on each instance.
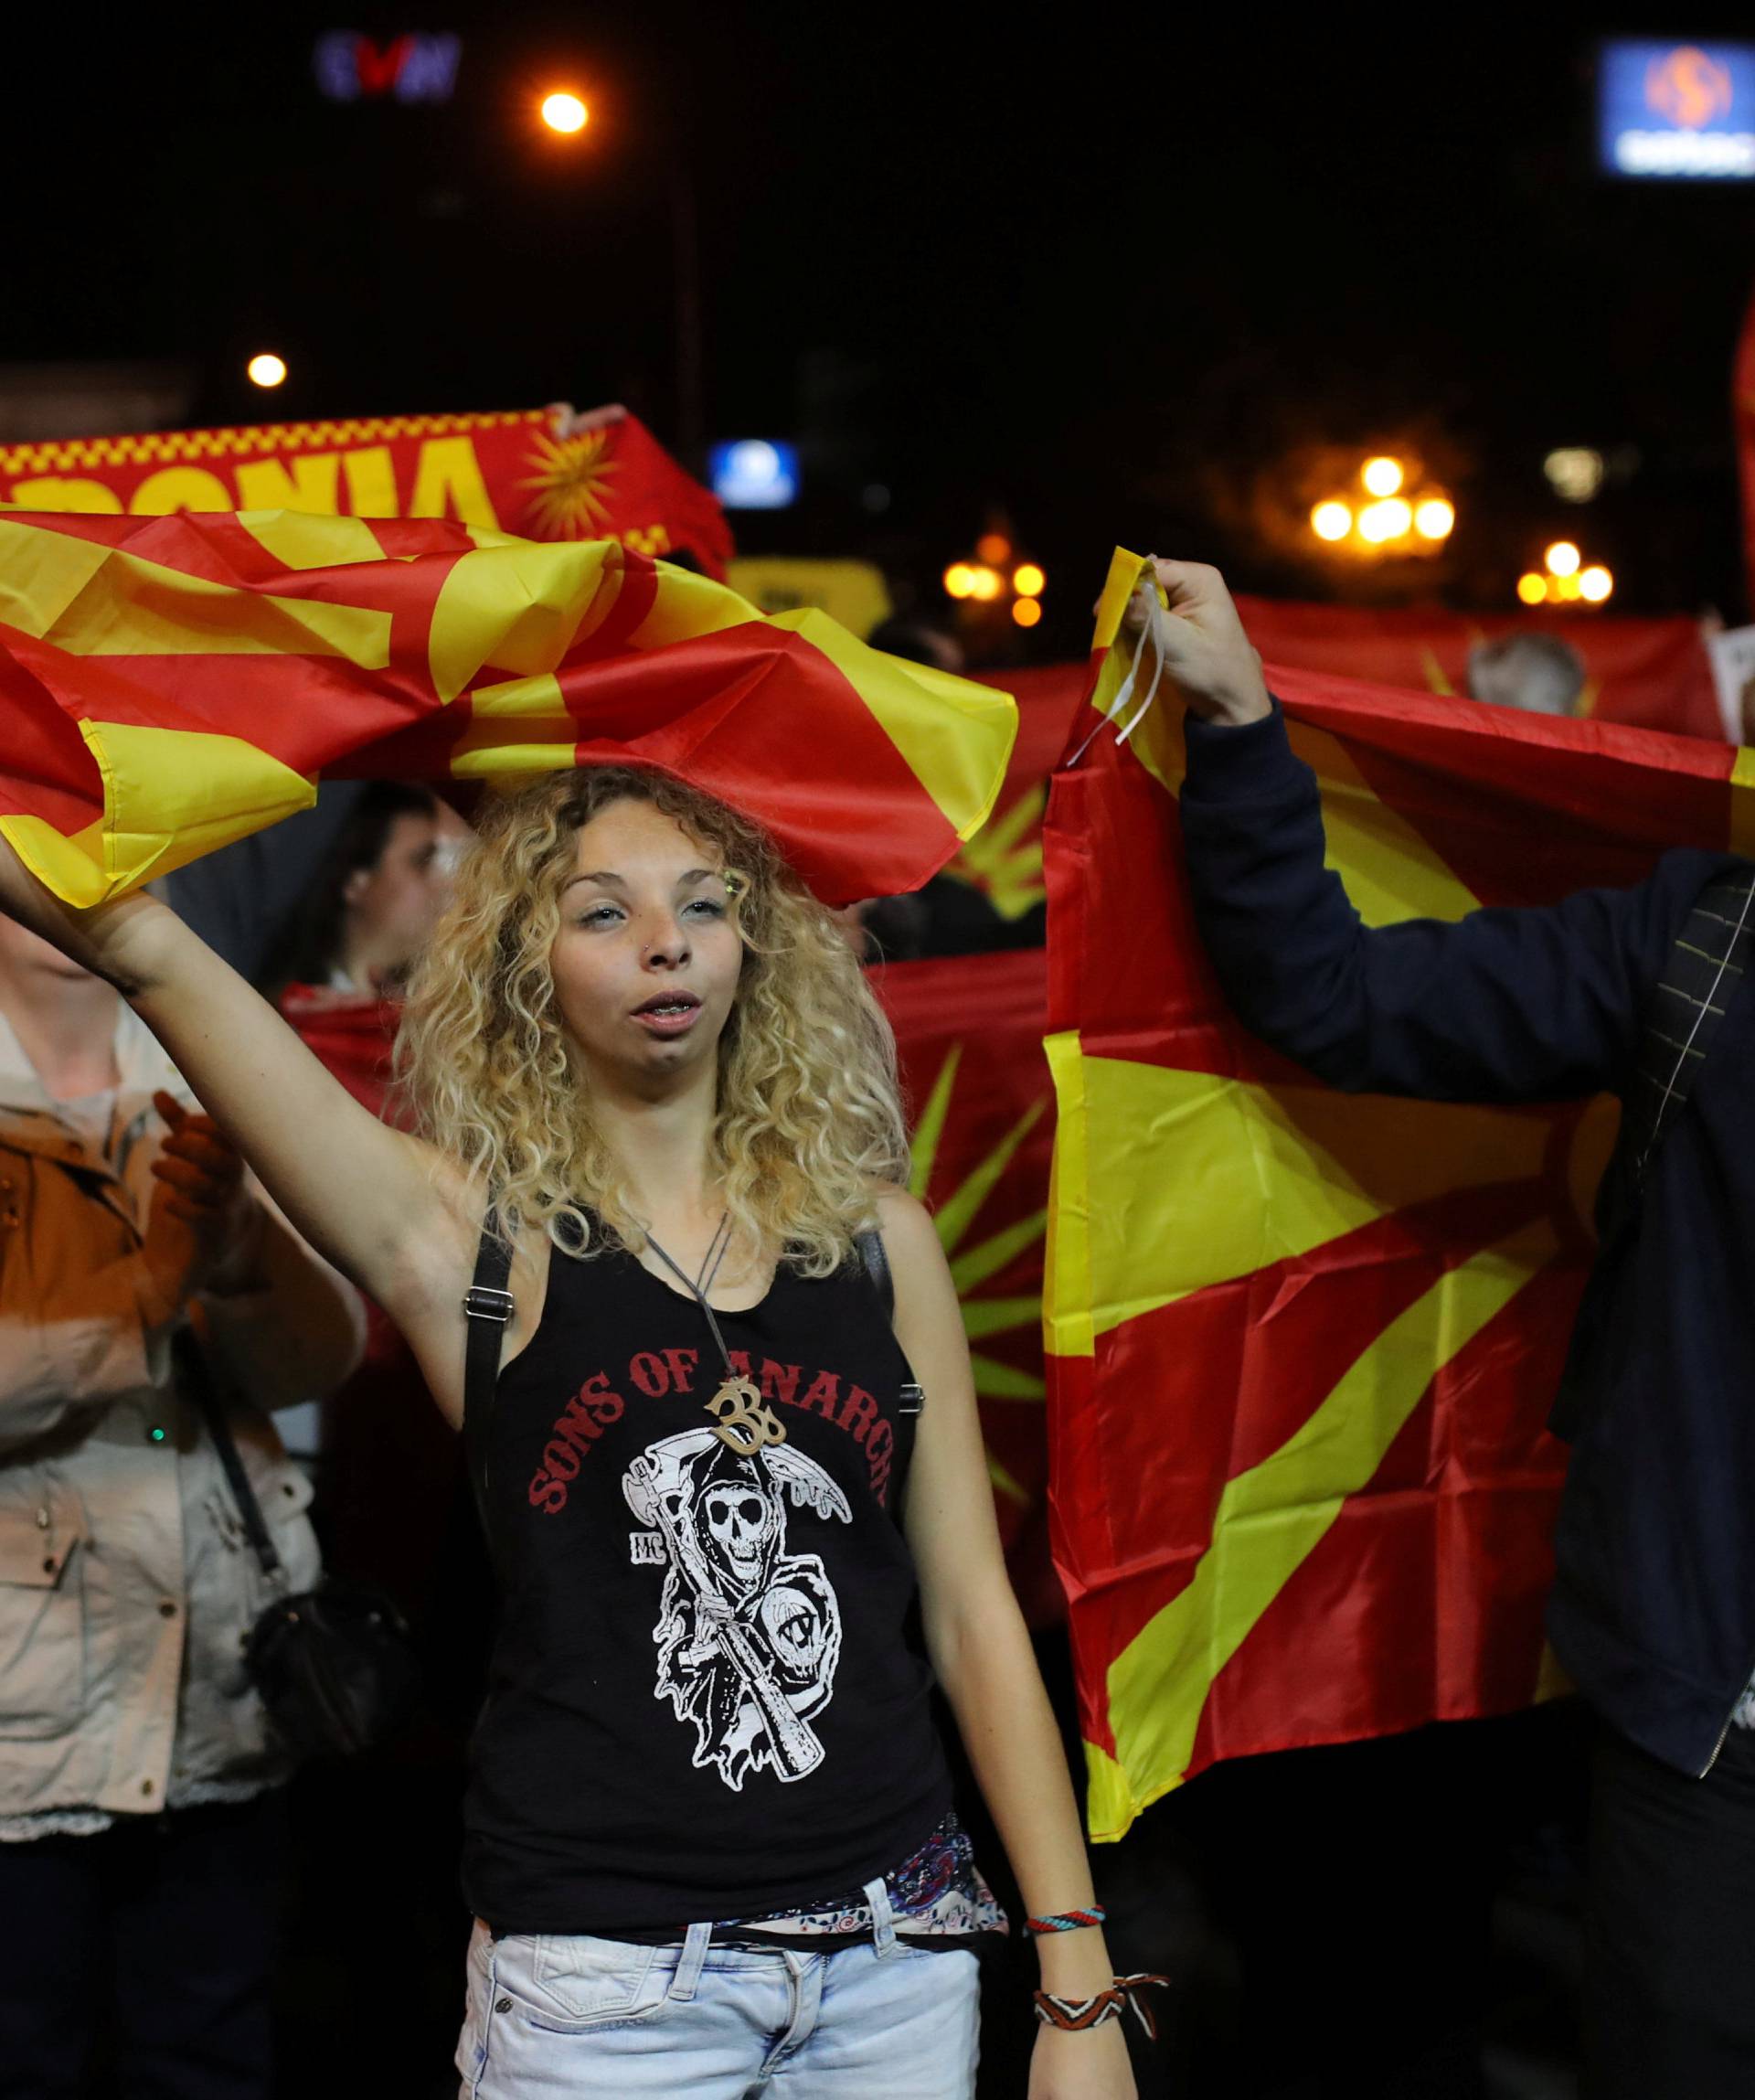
(994, 548)
(1595, 584)
(565, 113)
(1382, 476)
(1027, 612)
(1532, 589)
(1331, 521)
(1381, 522)
(1434, 518)
(1561, 559)
(959, 581)
(1029, 582)
(986, 584)
(265, 369)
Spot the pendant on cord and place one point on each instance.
(746, 1421)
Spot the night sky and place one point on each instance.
(1104, 274)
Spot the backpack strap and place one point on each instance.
(873, 1253)
(487, 1306)
(911, 1399)
(1714, 949)
(1682, 1020)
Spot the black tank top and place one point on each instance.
(706, 1700)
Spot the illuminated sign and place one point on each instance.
(351, 67)
(751, 473)
(1678, 110)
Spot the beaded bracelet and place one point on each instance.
(1066, 1921)
(1074, 2015)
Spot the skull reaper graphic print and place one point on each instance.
(748, 1633)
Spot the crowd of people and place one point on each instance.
(576, 1128)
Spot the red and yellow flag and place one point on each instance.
(969, 1041)
(1302, 1345)
(168, 685)
(506, 471)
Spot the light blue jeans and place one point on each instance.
(552, 2017)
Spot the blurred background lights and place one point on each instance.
(992, 547)
(1574, 472)
(266, 369)
(1027, 612)
(1407, 516)
(1532, 589)
(1561, 559)
(1434, 518)
(959, 581)
(1384, 521)
(1029, 582)
(986, 583)
(564, 113)
(753, 474)
(1596, 583)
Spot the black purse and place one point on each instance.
(334, 1667)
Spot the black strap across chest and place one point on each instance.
(488, 1305)
(1708, 960)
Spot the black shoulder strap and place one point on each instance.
(876, 1260)
(1714, 950)
(487, 1306)
(911, 1400)
(194, 1379)
(1705, 961)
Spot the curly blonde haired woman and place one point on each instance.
(709, 1840)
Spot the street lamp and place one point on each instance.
(1404, 518)
(565, 113)
(265, 369)
(1563, 580)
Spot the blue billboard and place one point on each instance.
(1672, 110)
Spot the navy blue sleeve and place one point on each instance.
(1505, 1005)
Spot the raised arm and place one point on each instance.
(363, 1194)
(1502, 1005)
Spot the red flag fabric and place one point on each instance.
(1302, 1345)
(506, 471)
(1649, 673)
(969, 1036)
(170, 684)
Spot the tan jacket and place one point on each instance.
(126, 1584)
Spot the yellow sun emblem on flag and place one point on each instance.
(973, 1263)
(570, 487)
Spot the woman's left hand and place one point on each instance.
(1090, 2065)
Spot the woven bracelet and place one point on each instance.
(1066, 1921)
(1074, 2015)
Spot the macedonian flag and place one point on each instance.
(170, 684)
(1302, 1345)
